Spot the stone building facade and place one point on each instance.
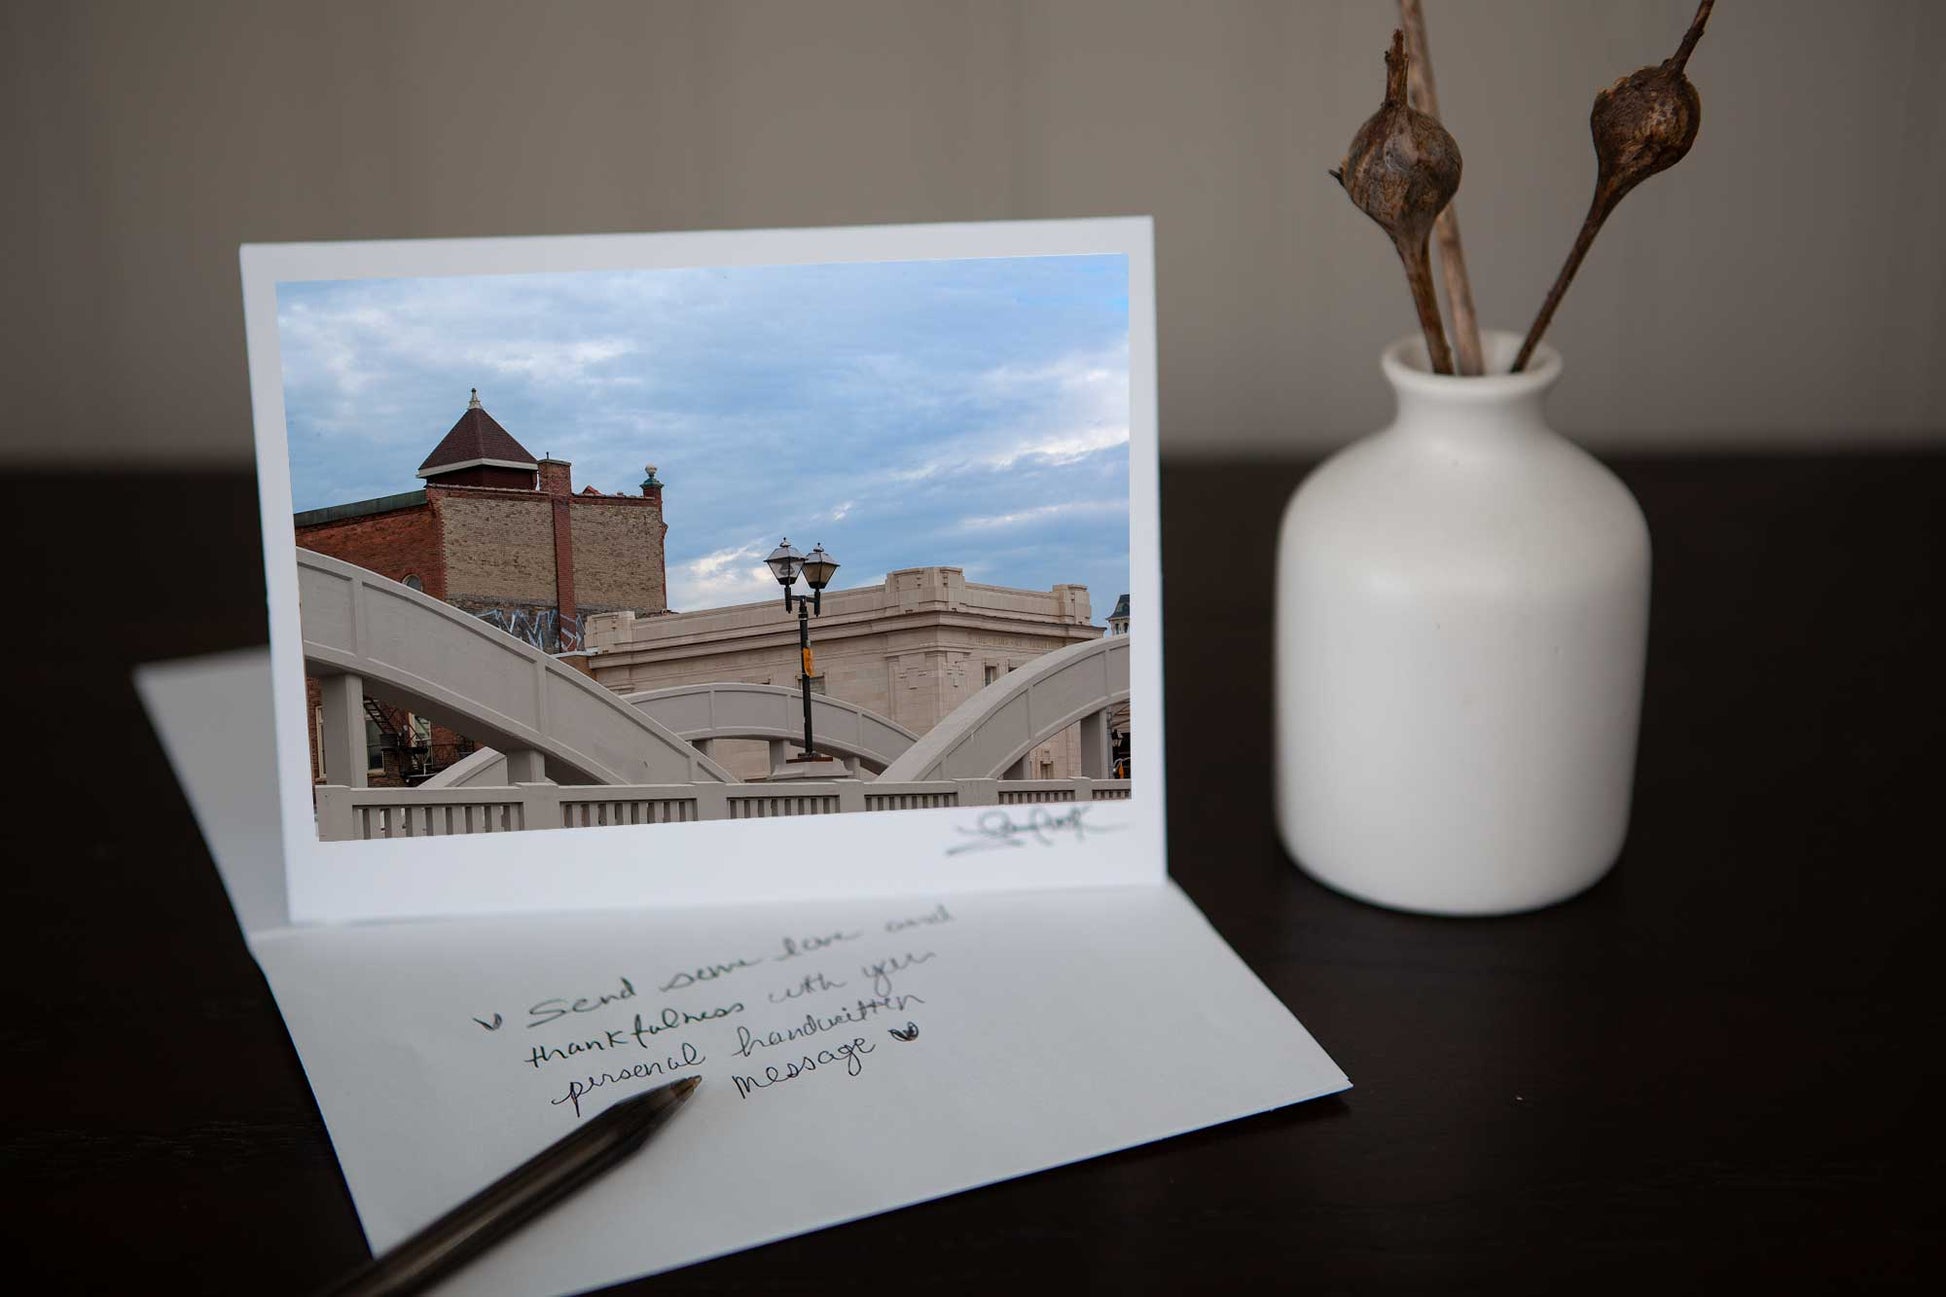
(911, 649)
(503, 535)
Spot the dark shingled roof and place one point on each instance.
(359, 509)
(1121, 609)
(475, 437)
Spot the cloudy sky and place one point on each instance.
(971, 413)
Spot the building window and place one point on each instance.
(412, 582)
(993, 673)
(374, 748)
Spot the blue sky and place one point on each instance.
(972, 413)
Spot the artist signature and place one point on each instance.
(997, 829)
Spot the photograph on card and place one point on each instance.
(640, 546)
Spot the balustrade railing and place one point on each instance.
(353, 814)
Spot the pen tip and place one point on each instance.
(682, 1088)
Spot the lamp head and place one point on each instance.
(785, 563)
(819, 567)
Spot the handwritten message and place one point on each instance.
(819, 1003)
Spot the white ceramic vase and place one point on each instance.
(1462, 616)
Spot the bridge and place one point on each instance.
(703, 713)
(365, 636)
(564, 751)
(990, 734)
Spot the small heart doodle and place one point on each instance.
(910, 1033)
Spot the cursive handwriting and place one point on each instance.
(995, 830)
(748, 1040)
(811, 985)
(687, 1056)
(707, 973)
(850, 1053)
(793, 947)
(548, 1010)
(881, 972)
(667, 1020)
(937, 914)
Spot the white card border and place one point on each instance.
(731, 862)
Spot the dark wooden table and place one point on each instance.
(1718, 1065)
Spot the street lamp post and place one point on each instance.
(817, 567)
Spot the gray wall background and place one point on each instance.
(1785, 286)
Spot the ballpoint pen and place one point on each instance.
(516, 1197)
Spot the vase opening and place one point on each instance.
(1406, 365)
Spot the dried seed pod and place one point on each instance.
(1642, 124)
(1445, 231)
(1401, 170)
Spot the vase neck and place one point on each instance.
(1473, 417)
(1494, 407)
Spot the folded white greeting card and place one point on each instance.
(869, 1053)
(719, 655)
(603, 569)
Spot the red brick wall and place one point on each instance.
(402, 543)
(556, 481)
(564, 560)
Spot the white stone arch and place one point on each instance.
(734, 709)
(367, 636)
(989, 733)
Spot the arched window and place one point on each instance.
(412, 582)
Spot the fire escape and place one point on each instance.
(411, 750)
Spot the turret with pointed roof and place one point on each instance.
(479, 452)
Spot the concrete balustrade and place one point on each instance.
(351, 814)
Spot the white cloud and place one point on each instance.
(1062, 447)
(543, 362)
(1042, 513)
(1062, 412)
(347, 344)
(728, 576)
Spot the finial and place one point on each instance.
(474, 404)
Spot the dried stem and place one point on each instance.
(1680, 59)
(1418, 274)
(1590, 226)
(1642, 124)
(1452, 261)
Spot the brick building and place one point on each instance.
(502, 535)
